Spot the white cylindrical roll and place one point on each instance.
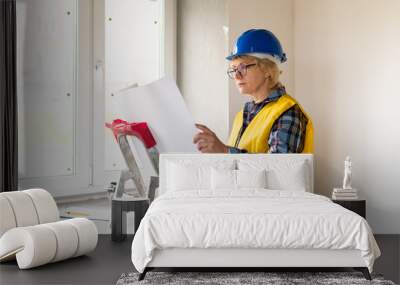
(10, 244)
(33, 246)
(87, 235)
(7, 218)
(67, 239)
(45, 205)
(40, 247)
(24, 210)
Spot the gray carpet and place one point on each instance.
(270, 278)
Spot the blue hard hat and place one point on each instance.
(260, 42)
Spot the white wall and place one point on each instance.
(54, 95)
(134, 42)
(347, 62)
(169, 42)
(46, 92)
(202, 47)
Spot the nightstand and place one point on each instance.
(121, 205)
(357, 206)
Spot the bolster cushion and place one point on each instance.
(7, 218)
(40, 244)
(26, 208)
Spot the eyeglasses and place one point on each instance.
(241, 69)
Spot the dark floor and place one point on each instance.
(102, 266)
(110, 260)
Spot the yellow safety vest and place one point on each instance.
(255, 137)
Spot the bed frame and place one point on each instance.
(249, 259)
(245, 259)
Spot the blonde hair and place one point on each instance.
(268, 66)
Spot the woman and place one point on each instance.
(272, 122)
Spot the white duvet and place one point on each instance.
(252, 218)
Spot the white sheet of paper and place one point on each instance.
(161, 105)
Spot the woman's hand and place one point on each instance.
(208, 142)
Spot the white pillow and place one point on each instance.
(184, 175)
(237, 179)
(281, 174)
(223, 179)
(294, 178)
(251, 178)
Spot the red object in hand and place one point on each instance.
(139, 130)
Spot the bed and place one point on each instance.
(245, 211)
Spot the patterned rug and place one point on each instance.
(243, 278)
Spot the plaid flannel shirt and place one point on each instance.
(288, 132)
